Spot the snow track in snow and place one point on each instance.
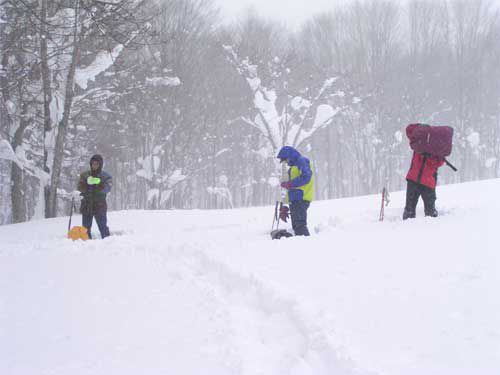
(115, 297)
(255, 316)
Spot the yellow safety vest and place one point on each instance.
(308, 189)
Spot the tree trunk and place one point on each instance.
(17, 174)
(63, 124)
(47, 96)
(17, 195)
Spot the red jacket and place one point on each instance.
(424, 168)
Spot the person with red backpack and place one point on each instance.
(421, 181)
(429, 144)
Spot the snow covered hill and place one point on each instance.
(208, 292)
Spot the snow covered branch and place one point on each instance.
(290, 125)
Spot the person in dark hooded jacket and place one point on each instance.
(94, 185)
(300, 189)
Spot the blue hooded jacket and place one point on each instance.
(295, 159)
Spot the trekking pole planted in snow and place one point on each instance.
(77, 232)
(277, 233)
(275, 218)
(385, 199)
(71, 212)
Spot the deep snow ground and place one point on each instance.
(207, 292)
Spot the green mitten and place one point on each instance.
(93, 180)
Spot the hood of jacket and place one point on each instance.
(98, 158)
(289, 153)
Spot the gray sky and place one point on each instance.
(292, 12)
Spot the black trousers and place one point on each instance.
(98, 209)
(413, 192)
(102, 223)
(298, 212)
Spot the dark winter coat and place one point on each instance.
(423, 169)
(94, 196)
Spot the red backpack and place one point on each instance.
(434, 140)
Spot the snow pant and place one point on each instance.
(91, 208)
(298, 212)
(101, 220)
(413, 192)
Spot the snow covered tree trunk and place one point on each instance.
(17, 174)
(12, 55)
(6, 116)
(63, 124)
(47, 97)
(17, 195)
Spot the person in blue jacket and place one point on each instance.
(300, 189)
(94, 185)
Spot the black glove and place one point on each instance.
(284, 213)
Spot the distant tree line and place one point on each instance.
(189, 112)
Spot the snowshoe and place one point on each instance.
(277, 234)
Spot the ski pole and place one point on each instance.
(275, 215)
(279, 215)
(71, 212)
(450, 165)
(381, 215)
(385, 199)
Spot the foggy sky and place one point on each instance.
(291, 12)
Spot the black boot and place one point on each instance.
(301, 231)
(432, 212)
(407, 214)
